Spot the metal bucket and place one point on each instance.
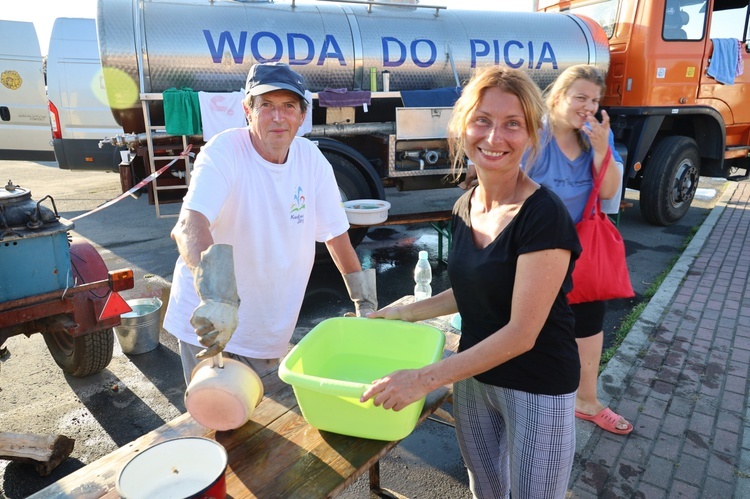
(139, 330)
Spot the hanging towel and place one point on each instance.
(723, 65)
(340, 97)
(740, 63)
(437, 97)
(182, 111)
(220, 111)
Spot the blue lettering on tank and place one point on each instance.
(331, 49)
(512, 62)
(548, 55)
(217, 50)
(294, 60)
(479, 48)
(514, 53)
(531, 55)
(254, 42)
(433, 53)
(387, 62)
(266, 46)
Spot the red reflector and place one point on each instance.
(114, 306)
(88, 159)
(120, 280)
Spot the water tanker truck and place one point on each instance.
(395, 137)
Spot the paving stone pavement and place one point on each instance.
(681, 378)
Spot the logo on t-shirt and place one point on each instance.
(297, 211)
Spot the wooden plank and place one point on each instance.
(411, 218)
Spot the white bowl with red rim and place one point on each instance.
(181, 468)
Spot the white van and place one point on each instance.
(78, 106)
(24, 121)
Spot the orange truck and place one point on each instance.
(677, 93)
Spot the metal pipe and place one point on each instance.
(431, 156)
(370, 3)
(132, 140)
(343, 130)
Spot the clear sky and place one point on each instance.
(44, 12)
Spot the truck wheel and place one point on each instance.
(352, 185)
(81, 356)
(670, 180)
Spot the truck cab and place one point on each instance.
(676, 93)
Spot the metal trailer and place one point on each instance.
(56, 285)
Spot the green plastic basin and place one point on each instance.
(333, 365)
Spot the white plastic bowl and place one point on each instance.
(366, 211)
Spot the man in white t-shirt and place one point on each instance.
(258, 201)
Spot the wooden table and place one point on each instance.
(438, 220)
(276, 454)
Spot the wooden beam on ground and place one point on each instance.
(45, 452)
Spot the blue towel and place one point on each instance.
(438, 97)
(723, 65)
(340, 97)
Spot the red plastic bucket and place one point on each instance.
(182, 468)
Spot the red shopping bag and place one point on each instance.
(601, 272)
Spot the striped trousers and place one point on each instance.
(513, 442)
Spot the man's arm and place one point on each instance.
(360, 284)
(193, 236)
(343, 254)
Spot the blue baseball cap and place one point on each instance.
(270, 76)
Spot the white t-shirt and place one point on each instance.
(272, 215)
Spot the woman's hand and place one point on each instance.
(393, 313)
(397, 390)
(598, 133)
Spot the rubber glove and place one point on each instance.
(362, 291)
(215, 318)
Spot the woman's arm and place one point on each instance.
(539, 277)
(435, 306)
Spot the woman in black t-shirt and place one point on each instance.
(511, 258)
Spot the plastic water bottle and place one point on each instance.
(423, 277)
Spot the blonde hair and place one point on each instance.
(512, 81)
(562, 84)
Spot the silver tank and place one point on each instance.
(148, 46)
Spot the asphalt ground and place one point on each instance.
(136, 394)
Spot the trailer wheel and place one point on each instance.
(670, 180)
(352, 185)
(81, 356)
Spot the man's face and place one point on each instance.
(274, 120)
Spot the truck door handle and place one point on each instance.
(4, 113)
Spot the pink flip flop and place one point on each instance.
(606, 420)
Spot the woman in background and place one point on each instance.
(573, 138)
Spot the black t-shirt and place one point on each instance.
(482, 282)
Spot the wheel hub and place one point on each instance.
(686, 182)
